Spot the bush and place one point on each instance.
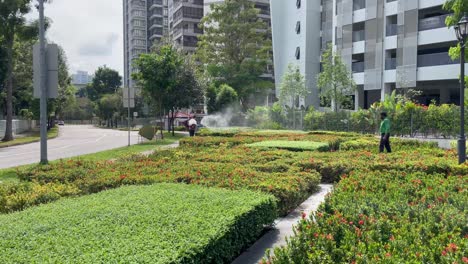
(390, 217)
(166, 223)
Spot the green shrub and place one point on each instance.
(389, 217)
(162, 223)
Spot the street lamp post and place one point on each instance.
(461, 30)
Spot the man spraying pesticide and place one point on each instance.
(192, 124)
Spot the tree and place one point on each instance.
(167, 80)
(109, 107)
(458, 7)
(235, 48)
(335, 81)
(13, 25)
(292, 89)
(225, 96)
(105, 81)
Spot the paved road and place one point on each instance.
(72, 141)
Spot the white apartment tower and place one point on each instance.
(386, 44)
(145, 22)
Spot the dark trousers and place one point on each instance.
(192, 132)
(385, 143)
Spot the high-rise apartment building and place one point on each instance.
(387, 45)
(296, 39)
(184, 23)
(145, 22)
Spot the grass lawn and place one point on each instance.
(9, 175)
(291, 145)
(53, 133)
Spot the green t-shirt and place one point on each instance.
(385, 126)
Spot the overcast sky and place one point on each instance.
(90, 31)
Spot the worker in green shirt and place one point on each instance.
(385, 133)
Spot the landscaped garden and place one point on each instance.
(407, 206)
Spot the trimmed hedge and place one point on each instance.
(292, 145)
(164, 223)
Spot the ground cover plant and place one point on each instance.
(385, 217)
(163, 223)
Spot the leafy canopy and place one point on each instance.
(105, 81)
(167, 79)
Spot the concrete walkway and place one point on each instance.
(283, 228)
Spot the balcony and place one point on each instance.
(359, 4)
(359, 35)
(357, 67)
(391, 30)
(432, 22)
(390, 64)
(435, 59)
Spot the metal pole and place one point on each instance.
(43, 99)
(128, 117)
(462, 140)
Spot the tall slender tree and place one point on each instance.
(292, 90)
(12, 25)
(335, 81)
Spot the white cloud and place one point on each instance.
(90, 32)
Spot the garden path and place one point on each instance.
(283, 228)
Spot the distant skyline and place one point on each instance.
(90, 32)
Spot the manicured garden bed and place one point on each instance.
(417, 187)
(163, 223)
(385, 217)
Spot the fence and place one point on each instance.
(19, 126)
(434, 121)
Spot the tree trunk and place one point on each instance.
(9, 95)
(336, 99)
(172, 124)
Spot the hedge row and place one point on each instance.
(163, 223)
(385, 217)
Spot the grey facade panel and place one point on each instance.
(407, 49)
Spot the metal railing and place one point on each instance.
(357, 67)
(432, 22)
(435, 59)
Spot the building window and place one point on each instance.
(298, 27)
(298, 3)
(298, 53)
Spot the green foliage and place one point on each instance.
(167, 79)
(225, 96)
(335, 81)
(292, 145)
(110, 106)
(148, 132)
(457, 8)
(385, 217)
(235, 47)
(166, 223)
(105, 81)
(293, 87)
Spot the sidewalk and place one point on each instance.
(283, 228)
